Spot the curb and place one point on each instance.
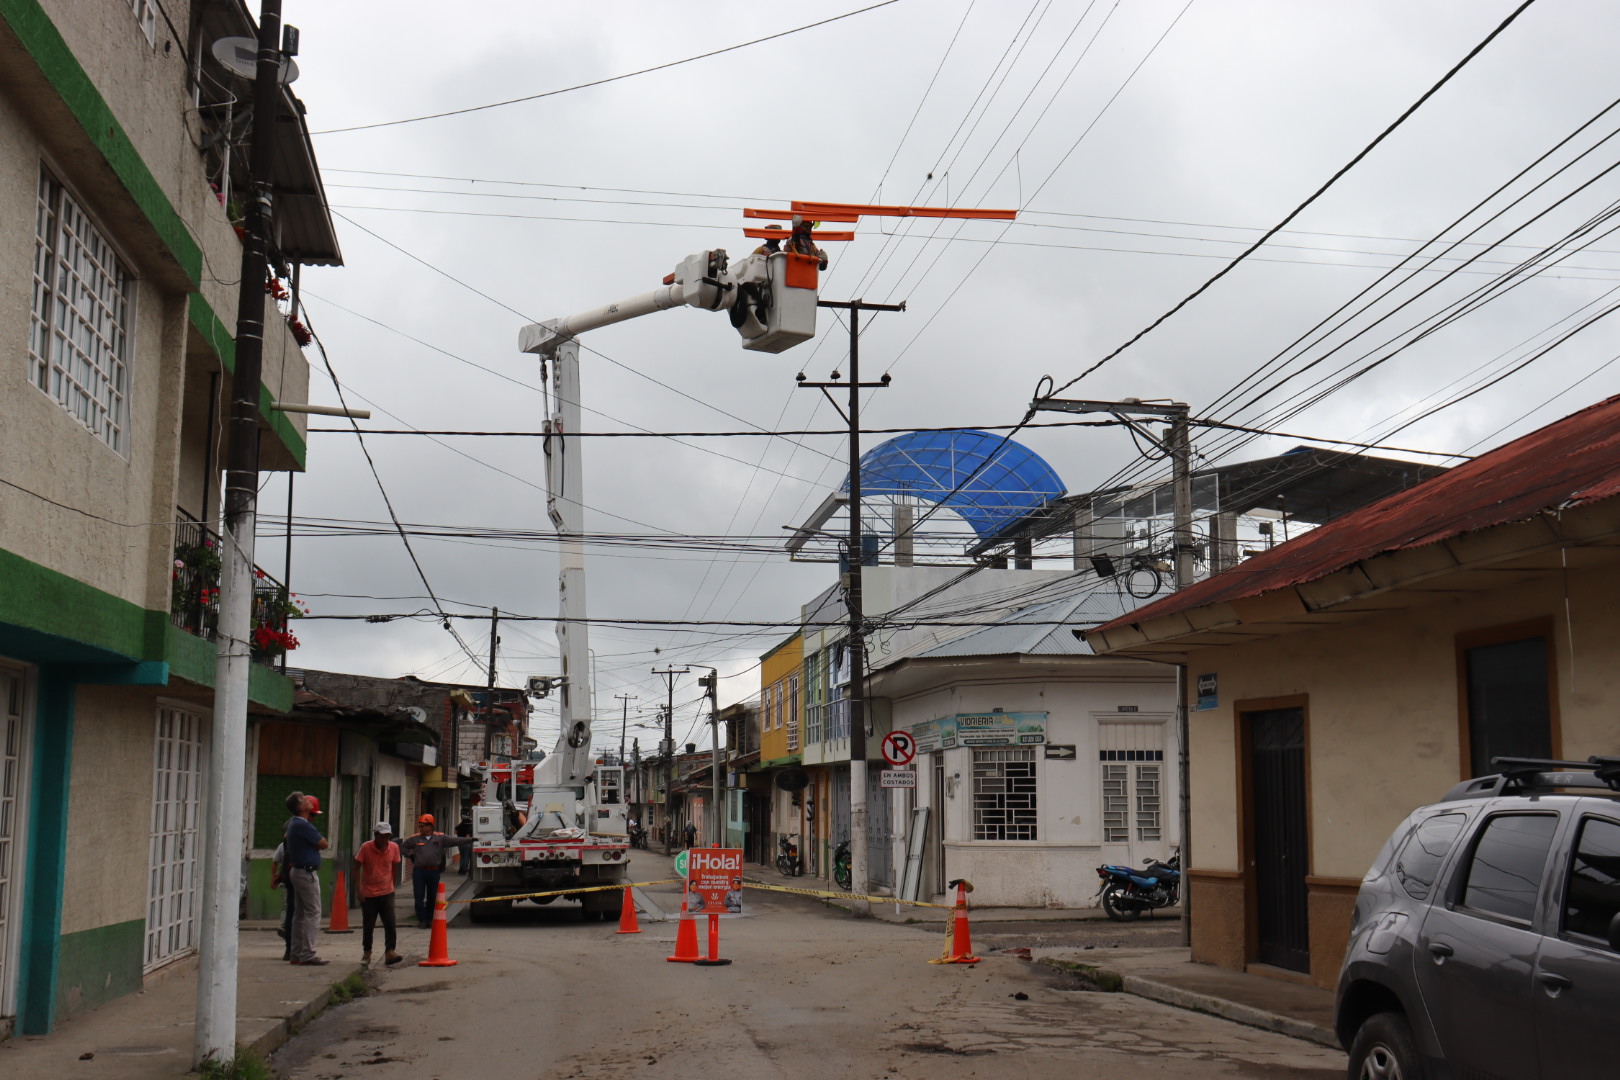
(282, 1029)
(1182, 998)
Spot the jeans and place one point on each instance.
(425, 891)
(306, 886)
(370, 908)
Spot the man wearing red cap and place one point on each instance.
(304, 846)
(426, 850)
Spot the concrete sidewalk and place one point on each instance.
(148, 1035)
(1276, 1004)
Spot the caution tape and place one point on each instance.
(841, 895)
(565, 892)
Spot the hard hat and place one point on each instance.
(383, 827)
(425, 819)
(313, 803)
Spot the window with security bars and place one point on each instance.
(1131, 782)
(793, 713)
(1004, 796)
(83, 300)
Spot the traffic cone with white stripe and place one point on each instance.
(961, 949)
(686, 945)
(439, 944)
(627, 914)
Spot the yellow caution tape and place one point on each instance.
(841, 895)
(565, 892)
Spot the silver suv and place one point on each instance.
(1486, 937)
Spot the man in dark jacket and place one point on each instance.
(426, 851)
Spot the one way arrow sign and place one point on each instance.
(1064, 752)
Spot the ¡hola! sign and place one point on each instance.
(714, 879)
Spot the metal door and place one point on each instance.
(879, 830)
(175, 868)
(1281, 842)
(838, 816)
(13, 777)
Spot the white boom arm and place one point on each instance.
(772, 302)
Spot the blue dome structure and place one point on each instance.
(1000, 480)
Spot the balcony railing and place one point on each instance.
(194, 594)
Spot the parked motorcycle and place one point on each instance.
(842, 861)
(638, 837)
(1127, 892)
(788, 863)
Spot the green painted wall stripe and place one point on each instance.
(98, 965)
(224, 345)
(42, 599)
(39, 36)
(46, 859)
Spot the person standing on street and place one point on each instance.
(304, 847)
(426, 850)
(691, 834)
(376, 863)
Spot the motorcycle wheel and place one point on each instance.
(841, 875)
(1115, 909)
(784, 866)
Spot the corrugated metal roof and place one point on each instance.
(1573, 462)
(1040, 629)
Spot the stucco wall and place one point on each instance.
(1383, 733)
(1059, 868)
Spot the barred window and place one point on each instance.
(793, 713)
(1120, 802)
(1004, 803)
(78, 338)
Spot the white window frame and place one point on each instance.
(993, 782)
(145, 12)
(16, 759)
(81, 315)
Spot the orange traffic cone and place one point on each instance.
(961, 950)
(439, 944)
(339, 923)
(627, 914)
(686, 946)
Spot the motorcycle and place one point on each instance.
(788, 863)
(638, 837)
(1127, 892)
(841, 865)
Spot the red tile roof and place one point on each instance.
(1569, 463)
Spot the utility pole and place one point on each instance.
(215, 1037)
(858, 855)
(489, 690)
(624, 722)
(710, 684)
(667, 747)
(1178, 446)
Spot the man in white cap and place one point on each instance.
(377, 865)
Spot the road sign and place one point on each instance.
(1065, 753)
(898, 778)
(680, 862)
(899, 748)
(715, 880)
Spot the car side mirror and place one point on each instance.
(1614, 932)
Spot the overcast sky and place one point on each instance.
(1145, 142)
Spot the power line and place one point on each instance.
(609, 79)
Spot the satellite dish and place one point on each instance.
(240, 56)
(418, 714)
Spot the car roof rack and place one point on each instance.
(1517, 775)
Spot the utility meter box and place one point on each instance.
(789, 286)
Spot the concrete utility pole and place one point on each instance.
(222, 854)
(711, 690)
(624, 722)
(859, 862)
(667, 748)
(1178, 446)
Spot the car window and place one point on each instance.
(1425, 849)
(1592, 897)
(1505, 869)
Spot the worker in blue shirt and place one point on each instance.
(304, 846)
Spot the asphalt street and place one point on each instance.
(811, 992)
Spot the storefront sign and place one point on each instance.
(1208, 693)
(979, 730)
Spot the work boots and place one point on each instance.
(392, 957)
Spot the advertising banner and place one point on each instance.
(980, 730)
(714, 876)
